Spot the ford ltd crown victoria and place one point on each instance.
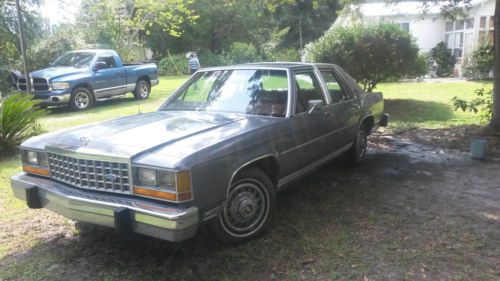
(215, 154)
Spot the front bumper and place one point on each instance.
(171, 223)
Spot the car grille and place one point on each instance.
(90, 174)
(39, 84)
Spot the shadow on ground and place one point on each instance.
(410, 211)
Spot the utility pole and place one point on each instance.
(23, 47)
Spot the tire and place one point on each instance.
(357, 152)
(242, 217)
(142, 90)
(81, 99)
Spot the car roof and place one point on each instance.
(271, 65)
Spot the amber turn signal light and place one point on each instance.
(36, 170)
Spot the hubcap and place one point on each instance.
(362, 144)
(246, 208)
(82, 99)
(143, 90)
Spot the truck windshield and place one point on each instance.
(248, 91)
(74, 59)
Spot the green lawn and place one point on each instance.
(410, 104)
(428, 104)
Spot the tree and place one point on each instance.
(444, 59)
(371, 54)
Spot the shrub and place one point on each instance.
(173, 65)
(481, 63)
(18, 120)
(444, 59)
(208, 59)
(483, 103)
(371, 54)
(287, 54)
(242, 53)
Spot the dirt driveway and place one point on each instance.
(418, 209)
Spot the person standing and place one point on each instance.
(194, 63)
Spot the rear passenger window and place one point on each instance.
(308, 88)
(336, 90)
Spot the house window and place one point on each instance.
(454, 36)
(486, 28)
(405, 26)
(469, 23)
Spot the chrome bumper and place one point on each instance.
(125, 214)
(56, 100)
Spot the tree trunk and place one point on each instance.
(494, 126)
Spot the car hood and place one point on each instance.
(129, 136)
(57, 72)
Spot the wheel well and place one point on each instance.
(145, 78)
(84, 85)
(269, 165)
(369, 123)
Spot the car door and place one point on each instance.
(109, 80)
(345, 106)
(308, 128)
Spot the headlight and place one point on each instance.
(146, 176)
(60, 85)
(166, 185)
(35, 162)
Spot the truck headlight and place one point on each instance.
(60, 85)
(166, 185)
(35, 162)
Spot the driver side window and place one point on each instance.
(108, 59)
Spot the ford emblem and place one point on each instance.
(110, 177)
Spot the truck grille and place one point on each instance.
(39, 84)
(90, 174)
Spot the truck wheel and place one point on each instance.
(247, 210)
(142, 90)
(81, 99)
(357, 152)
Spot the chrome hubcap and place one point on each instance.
(246, 208)
(82, 99)
(143, 90)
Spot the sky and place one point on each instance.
(60, 11)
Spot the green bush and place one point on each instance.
(18, 120)
(242, 53)
(481, 63)
(444, 59)
(482, 104)
(173, 65)
(287, 54)
(371, 54)
(209, 59)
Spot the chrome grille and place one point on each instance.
(38, 84)
(90, 174)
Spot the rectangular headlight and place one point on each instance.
(35, 162)
(146, 176)
(60, 85)
(166, 179)
(31, 157)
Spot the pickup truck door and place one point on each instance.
(110, 80)
(345, 106)
(310, 131)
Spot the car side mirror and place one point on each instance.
(99, 65)
(314, 104)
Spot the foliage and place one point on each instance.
(444, 59)
(481, 63)
(173, 65)
(483, 103)
(371, 54)
(43, 53)
(284, 54)
(242, 53)
(18, 120)
(420, 68)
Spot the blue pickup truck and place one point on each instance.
(80, 78)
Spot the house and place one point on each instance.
(428, 26)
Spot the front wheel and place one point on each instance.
(247, 210)
(81, 99)
(142, 90)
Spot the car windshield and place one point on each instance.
(249, 91)
(74, 59)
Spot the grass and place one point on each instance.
(428, 104)
(410, 104)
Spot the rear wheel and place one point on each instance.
(142, 90)
(357, 152)
(81, 99)
(247, 210)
